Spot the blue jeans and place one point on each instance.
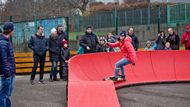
(53, 70)
(120, 66)
(6, 88)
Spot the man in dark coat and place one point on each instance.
(89, 41)
(61, 36)
(7, 65)
(135, 41)
(39, 44)
(54, 54)
(173, 39)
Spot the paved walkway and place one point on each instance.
(162, 95)
(54, 94)
(39, 95)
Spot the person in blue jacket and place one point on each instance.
(7, 65)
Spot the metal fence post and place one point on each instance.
(11, 20)
(67, 26)
(158, 18)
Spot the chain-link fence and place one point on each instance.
(24, 30)
(178, 14)
(144, 20)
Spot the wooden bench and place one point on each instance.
(24, 62)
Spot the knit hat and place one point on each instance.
(53, 30)
(123, 33)
(64, 42)
(8, 26)
(89, 27)
(187, 27)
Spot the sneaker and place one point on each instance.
(32, 82)
(122, 77)
(113, 78)
(41, 81)
(50, 80)
(64, 79)
(55, 79)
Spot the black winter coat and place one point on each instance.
(54, 50)
(90, 40)
(161, 43)
(135, 41)
(39, 45)
(65, 56)
(174, 41)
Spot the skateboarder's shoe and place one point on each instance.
(113, 78)
(122, 77)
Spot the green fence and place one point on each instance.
(179, 13)
(130, 17)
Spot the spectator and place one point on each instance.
(167, 46)
(89, 41)
(148, 46)
(7, 65)
(65, 55)
(61, 36)
(111, 39)
(129, 55)
(54, 54)
(39, 44)
(161, 40)
(135, 41)
(102, 47)
(186, 38)
(173, 39)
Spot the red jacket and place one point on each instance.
(186, 39)
(126, 48)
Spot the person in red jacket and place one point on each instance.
(186, 38)
(127, 48)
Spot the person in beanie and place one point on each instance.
(186, 38)
(39, 44)
(148, 46)
(102, 47)
(54, 54)
(173, 39)
(89, 41)
(135, 41)
(125, 44)
(65, 55)
(167, 46)
(61, 36)
(7, 65)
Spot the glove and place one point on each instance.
(133, 64)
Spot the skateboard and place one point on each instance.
(119, 79)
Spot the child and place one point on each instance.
(65, 55)
(102, 47)
(148, 46)
(167, 46)
(127, 49)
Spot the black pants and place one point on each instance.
(65, 72)
(61, 70)
(188, 48)
(41, 60)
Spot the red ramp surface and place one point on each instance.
(86, 88)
